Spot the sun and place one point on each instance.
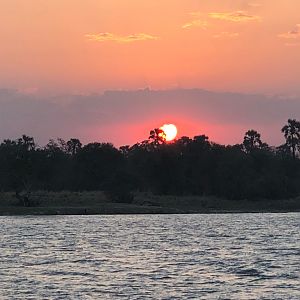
(170, 130)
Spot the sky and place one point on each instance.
(57, 55)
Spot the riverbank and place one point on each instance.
(89, 203)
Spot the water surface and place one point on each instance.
(222, 256)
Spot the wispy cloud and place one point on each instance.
(195, 23)
(293, 34)
(293, 44)
(225, 35)
(254, 4)
(236, 16)
(197, 14)
(107, 36)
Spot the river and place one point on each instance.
(218, 256)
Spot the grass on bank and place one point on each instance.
(96, 202)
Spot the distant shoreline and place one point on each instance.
(9, 214)
(72, 212)
(96, 203)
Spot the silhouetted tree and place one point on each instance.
(187, 166)
(183, 142)
(252, 141)
(27, 143)
(19, 167)
(157, 136)
(125, 150)
(291, 133)
(73, 146)
(94, 165)
(283, 150)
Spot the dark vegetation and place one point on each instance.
(251, 170)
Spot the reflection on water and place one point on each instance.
(232, 256)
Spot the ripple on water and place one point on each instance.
(238, 256)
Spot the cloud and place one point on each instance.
(254, 4)
(107, 36)
(125, 117)
(226, 34)
(195, 23)
(28, 90)
(293, 34)
(236, 16)
(196, 14)
(292, 44)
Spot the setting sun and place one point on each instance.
(170, 130)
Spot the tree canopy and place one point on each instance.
(186, 166)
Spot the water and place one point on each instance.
(232, 256)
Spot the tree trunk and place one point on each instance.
(294, 151)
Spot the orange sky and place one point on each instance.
(89, 46)
(67, 48)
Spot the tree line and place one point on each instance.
(187, 166)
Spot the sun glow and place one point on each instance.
(170, 130)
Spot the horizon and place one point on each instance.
(216, 111)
